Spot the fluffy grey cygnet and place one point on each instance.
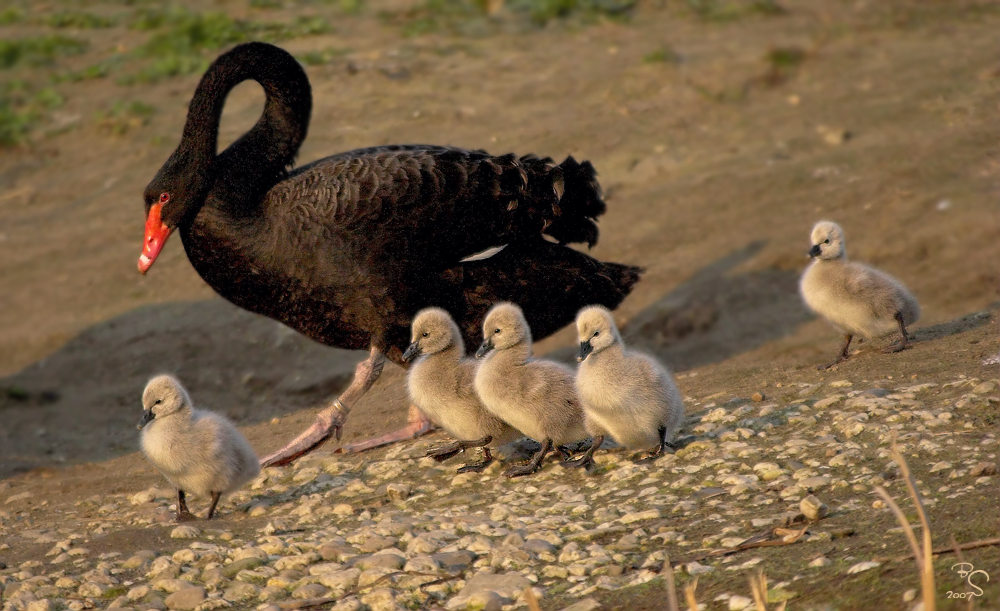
(855, 298)
(196, 450)
(626, 394)
(440, 384)
(535, 396)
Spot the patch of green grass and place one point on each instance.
(782, 63)
(123, 117)
(79, 20)
(21, 110)
(664, 55)
(733, 10)
(38, 50)
(323, 56)
(11, 15)
(183, 41)
(544, 11)
(115, 592)
(94, 71)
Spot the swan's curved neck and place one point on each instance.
(248, 167)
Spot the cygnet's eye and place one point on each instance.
(158, 401)
(495, 331)
(826, 241)
(425, 334)
(596, 333)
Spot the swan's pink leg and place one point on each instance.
(416, 425)
(331, 418)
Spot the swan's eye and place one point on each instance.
(158, 401)
(826, 241)
(596, 333)
(425, 334)
(495, 331)
(164, 197)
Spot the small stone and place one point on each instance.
(309, 590)
(486, 600)
(813, 508)
(137, 593)
(185, 531)
(342, 509)
(18, 497)
(757, 397)
(910, 595)
(640, 516)
(696, 568)
(587, 604)
(819, 562)
(188, 598)
(983, 469)
(738, 603)
(985, 388)
(91, 590)
(240, 592)
(39, 605)
(397, 492)
(940, 466)
(863, 566)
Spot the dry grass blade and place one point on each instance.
(668, 575)
(531, 600)
(922, 553)
(689, 595)
(758, 586)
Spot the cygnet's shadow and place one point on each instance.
(717, 314)
(82, 402)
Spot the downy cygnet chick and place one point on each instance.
(440, 384)
(626, 394)
(535, 396)
(856, 298)
(196, 450)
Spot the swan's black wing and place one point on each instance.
(422, 208)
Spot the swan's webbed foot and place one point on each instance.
(417, 424)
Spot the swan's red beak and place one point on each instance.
(156, 236)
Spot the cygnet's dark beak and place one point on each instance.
(814, 251)
(585, 349)
(412, 352)
(147, 417)
(484, 349)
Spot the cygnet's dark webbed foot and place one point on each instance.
(447, 451)
(659, 450)
(186, 516)
(587, 460)
(840, 357)
(183, 514)
(532, 466)
(477, 467)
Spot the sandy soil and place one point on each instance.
(716, 164)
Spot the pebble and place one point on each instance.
(185, 531)
(863, 566)
(813, 508)
(186, 598)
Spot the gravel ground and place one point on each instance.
(402, 532)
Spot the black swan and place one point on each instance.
(348, 248)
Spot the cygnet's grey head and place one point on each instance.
(504, 327)
(596, 330)
(432, 331)
(827, 241)
(163, 397)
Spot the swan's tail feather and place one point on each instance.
(549, 281)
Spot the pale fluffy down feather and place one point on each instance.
(856, 298)
(440, 381)
(626, 395)
(197, 451)
(535, 396)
